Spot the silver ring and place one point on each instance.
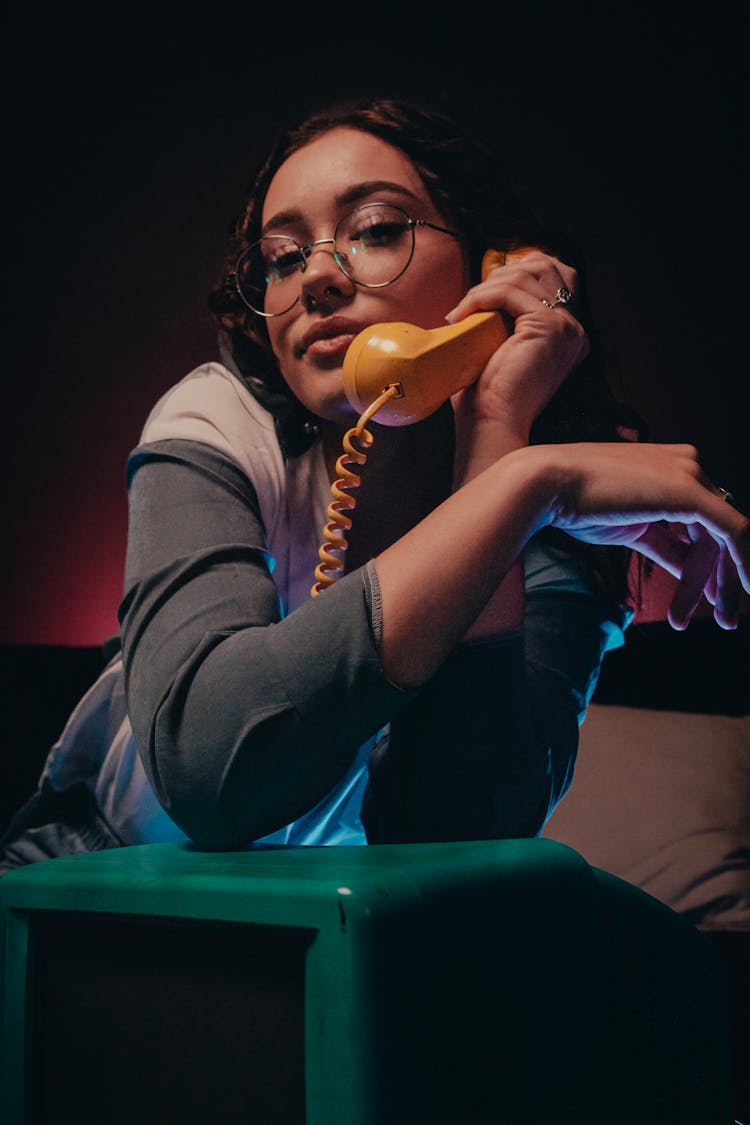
(725, 494)
(561, 297)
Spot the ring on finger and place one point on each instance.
(561, 297)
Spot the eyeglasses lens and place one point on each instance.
(266, 274)
(372, 245)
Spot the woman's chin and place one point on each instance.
(334, 408)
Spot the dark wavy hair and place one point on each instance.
(469, 185)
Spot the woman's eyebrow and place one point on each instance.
(350, 195)
(370, 187)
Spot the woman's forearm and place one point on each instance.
(438, 579)
(447, 568)
(480, 443)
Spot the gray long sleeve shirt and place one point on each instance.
(260, 713)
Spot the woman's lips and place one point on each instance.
(328, 338)
(328, 347)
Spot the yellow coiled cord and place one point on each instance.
(334, 533)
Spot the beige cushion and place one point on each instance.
(662, 799)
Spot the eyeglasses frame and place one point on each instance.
(307, 249)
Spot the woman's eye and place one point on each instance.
(379, 233)
(282, 264)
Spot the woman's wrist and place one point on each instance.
(541, 474)
(481, 444)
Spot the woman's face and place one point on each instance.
(307, 197)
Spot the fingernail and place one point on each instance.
(451, 316)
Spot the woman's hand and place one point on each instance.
(545, 346)
(657, 500)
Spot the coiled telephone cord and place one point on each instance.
(335, 531)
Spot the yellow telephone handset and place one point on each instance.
(421, 366)
(402, 374)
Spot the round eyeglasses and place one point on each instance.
(372, 245)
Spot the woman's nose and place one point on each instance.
(323, 279)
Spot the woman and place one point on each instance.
(434, 690)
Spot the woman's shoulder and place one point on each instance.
(210, 394)
(212, 406)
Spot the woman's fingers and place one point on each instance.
(732, 528)
(693, 532)
(727, 600)
(698, 568)
(738, 547)
(521, 287)
(546, 344)
(664, 544)
(703, 566)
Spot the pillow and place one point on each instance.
(662, 800)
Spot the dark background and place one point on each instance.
(129, 138)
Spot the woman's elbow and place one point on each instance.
(217, 820)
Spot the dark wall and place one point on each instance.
(129, 143)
